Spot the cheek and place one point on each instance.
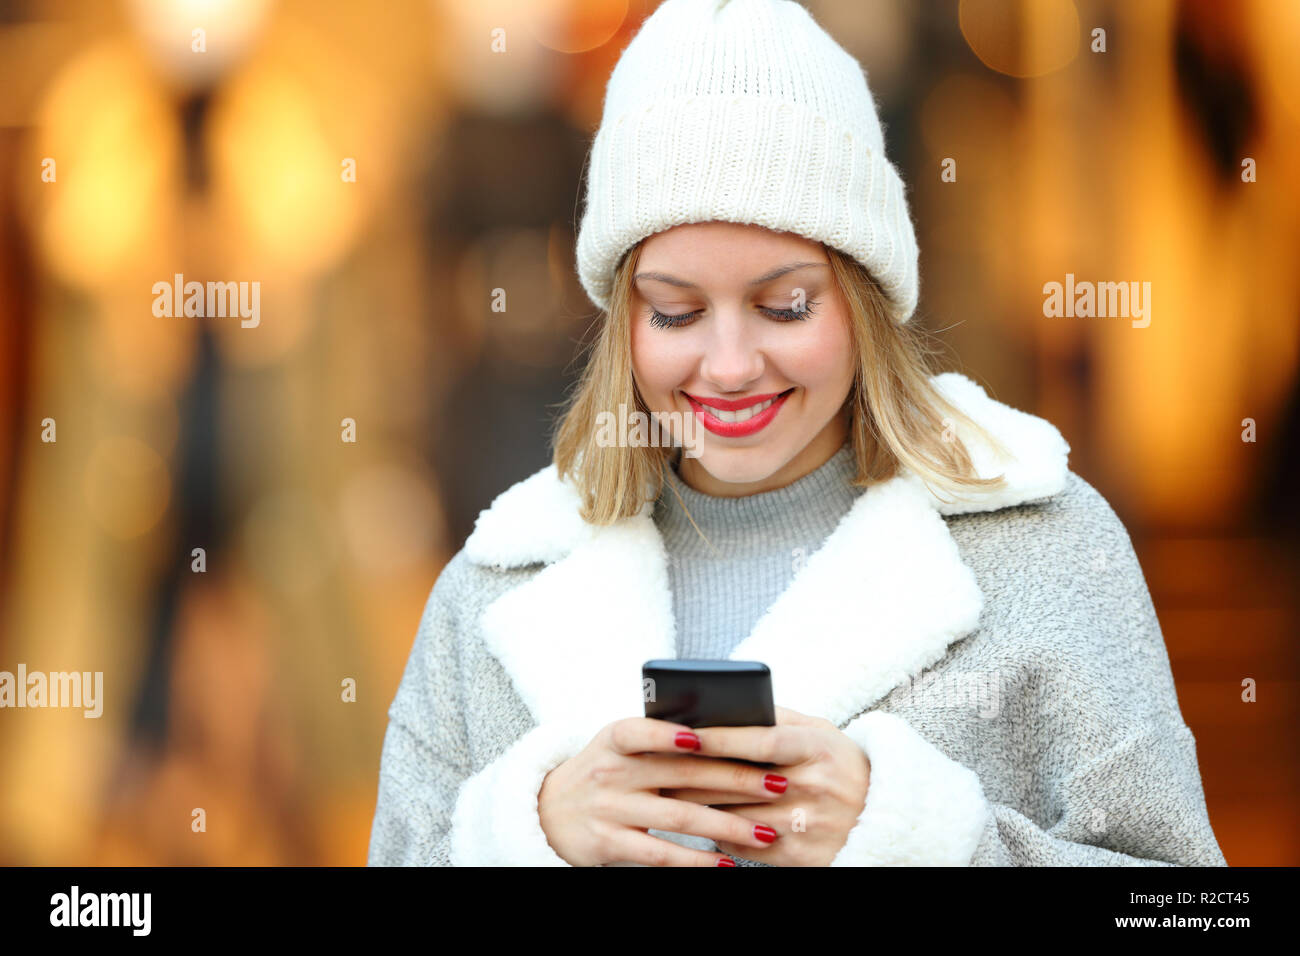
(824, 361)
(658, 364)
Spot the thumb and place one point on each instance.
(785, 715)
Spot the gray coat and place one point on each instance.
(997, 657)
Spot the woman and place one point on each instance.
(966, 662)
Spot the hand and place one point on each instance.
(828, 778)
(596, 807)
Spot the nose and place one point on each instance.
(733, 359)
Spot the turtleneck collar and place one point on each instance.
(755, 523)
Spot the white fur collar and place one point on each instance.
(857, 620)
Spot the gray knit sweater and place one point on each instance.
(752, 546)
(997, 657)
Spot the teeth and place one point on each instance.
(740, 415)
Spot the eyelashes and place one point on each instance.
(661, 321)
(791, 315)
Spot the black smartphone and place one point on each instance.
(701, 693)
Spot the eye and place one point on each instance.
(659, 320)
(790, 315)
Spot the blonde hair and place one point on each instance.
(897, 417)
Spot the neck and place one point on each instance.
(811, 457)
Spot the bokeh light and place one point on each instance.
(1021, 38)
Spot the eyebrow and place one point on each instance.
(766, 277)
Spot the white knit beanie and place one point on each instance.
(743, 111)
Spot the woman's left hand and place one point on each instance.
(827, 779)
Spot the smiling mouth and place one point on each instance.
(738, 419)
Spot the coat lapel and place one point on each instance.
(881, 599)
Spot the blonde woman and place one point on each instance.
(966, 663)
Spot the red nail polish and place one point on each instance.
(766, 834)
(775, 783)
(726, 861)
(687, 740)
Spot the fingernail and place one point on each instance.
(766, 834)
(688, 741)
(775, 783)
(726, 861)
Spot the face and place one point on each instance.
(746, 330)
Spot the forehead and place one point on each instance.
(713, 252)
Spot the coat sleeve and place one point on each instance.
(432, 808)
(1138, 804)
(1092, 764)
(425, 757)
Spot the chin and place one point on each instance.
(740, 466)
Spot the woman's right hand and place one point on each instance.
(595, 807)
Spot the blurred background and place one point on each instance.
(380, 170)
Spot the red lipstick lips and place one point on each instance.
(704, 412)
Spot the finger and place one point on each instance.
(713, 798)
(784, 715)
(634, 847)
(767, 854)
(638, 735)
(776, 818)
(653, 771)
(784, 744)
(679, 816)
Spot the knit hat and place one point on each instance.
(743, 111)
